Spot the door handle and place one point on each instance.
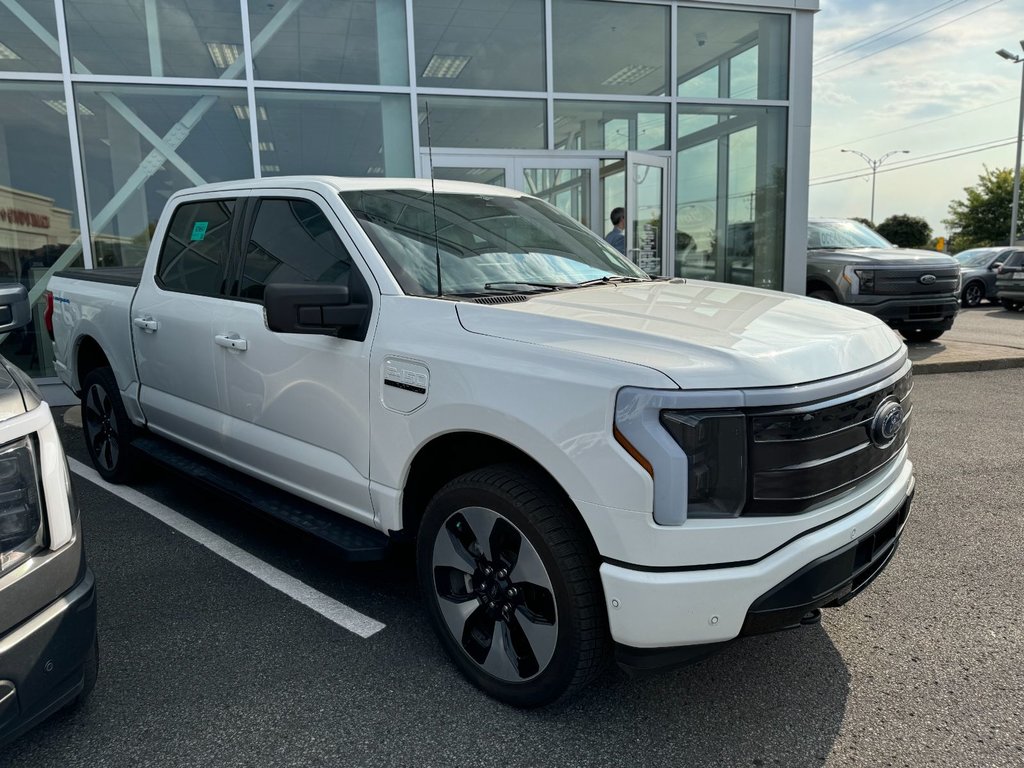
(231, 341)
(147, 324)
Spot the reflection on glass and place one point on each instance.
(480, 44)
(610, 47)
(568, 189)
(38, 224)
(472, 121)
(343, 134)
(613, 191)
(732, 54)
(330, 41)
(203, 136)
(731, 194)
(610, 125)
(21, 48)
(495, 176)
(163, 38)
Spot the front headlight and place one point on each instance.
(715, 444)
(866, 280)
(21, 516)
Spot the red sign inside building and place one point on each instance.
(24, 218)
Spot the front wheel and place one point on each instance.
(972, 295)
(511, 586)
(917, 336)
(107, 428)
(1010, 304)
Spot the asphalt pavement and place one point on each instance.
(203, 664)
(983, 338)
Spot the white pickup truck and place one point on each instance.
(590, 462)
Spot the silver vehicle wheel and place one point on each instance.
(495, 594)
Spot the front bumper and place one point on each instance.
(42, 660)
(659, 616)
(936, 312)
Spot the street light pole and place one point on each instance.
(1020, 140)
(875, 164)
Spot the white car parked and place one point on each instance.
(590, 462)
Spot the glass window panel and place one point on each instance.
(201, 134)
(568, 189)
(38, 219)
(610, 125)
(470, 121)
(292, 242)
(613, 191)
(604, 47)
(194, 255)
(485, 44)
(732, 54)
(170, 38)
(330, 41)
(731, 194)
(495, 176)
(21, 49)
(344, 134)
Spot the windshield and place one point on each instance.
(487, 243)
(976, 257)
(843, 234)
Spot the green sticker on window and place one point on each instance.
(199, 230)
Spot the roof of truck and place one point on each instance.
(353, 184)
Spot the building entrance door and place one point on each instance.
(647, 230)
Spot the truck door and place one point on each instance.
(298, 404)
(171, 315)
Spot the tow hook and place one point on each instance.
(813, 616)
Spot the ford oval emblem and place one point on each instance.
(886, 423)
(927, 279)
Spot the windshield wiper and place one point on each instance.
(500, 284)
(608, 279)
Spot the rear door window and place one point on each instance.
(194, 255)
(292, 241)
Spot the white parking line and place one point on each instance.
(326, 606)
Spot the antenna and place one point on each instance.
(433, 201)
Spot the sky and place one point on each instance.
(916, 75)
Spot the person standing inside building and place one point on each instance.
(617, 237)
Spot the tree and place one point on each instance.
(866, 222)
(983, 219)
(905, 230)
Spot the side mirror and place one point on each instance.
(15, 311)
(311, 308)
(996, 266)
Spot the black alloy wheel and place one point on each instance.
(512, 587)
(108, 430)
(919, 336)
(972, 294)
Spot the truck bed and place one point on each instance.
(129, 276)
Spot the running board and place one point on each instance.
(355, 541)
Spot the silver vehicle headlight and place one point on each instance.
(715, 444)
(21, 514)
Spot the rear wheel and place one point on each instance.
(823, 295)
(916, 336)
(1010, 304)
(107, 428)
(972, 294)
(512, 587)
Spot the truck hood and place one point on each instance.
(884, 256)
(701, 335)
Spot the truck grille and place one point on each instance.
(801, 457)
(902, 282)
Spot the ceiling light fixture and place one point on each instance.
(242, 112)
(445, 66)
(224, 54)
(270, 168)
(61, 106)
(7, 53)
(630, 74)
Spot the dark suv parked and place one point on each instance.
(915, 292)
(978, 268)
(1010, 281)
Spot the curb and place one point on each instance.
(922, 367)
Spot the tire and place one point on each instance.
(107, 429)
(537, 591)
(1010, 304)
(823, 295)
(972, 294)
(919, 336)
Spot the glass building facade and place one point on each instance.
(692, 115)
